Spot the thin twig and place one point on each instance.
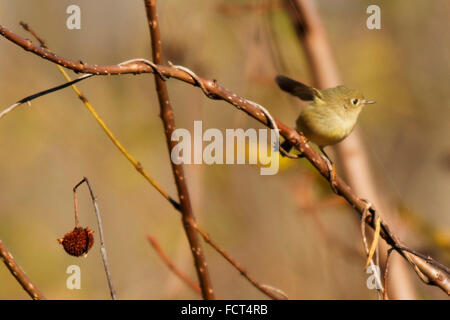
(100, 229)
(386, 272)
(43, 93)
(155, 244)
(19, 274)
(426, 258)
(167, 116)
(267, 290)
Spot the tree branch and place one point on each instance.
(155, 244)
(19, 274)
(265, 289)
(269, 291)
(167, 116)
(215, 91)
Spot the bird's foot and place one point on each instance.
(285, 150)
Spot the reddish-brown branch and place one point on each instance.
(155, 244)
(19, 274)
(216, 91)
(167, 116)
(263, 288)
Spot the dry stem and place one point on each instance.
(100, 229)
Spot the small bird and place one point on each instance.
(331, 115)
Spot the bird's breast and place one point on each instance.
(323, 126)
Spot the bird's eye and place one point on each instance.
(355, 101)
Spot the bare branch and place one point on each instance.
(141, 170)
(19, 274)
(167, 116)
(155, 244)
(266, 289)
(42, 93)
(216, 91)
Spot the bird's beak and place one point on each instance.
(369, 101)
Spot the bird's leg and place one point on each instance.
(331, 170)
(285, 150)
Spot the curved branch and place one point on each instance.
(100, 230)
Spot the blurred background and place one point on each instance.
(287, 230)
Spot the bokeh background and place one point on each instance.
(288, 230)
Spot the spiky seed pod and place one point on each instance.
(78, 242)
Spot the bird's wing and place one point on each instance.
(297, 89)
